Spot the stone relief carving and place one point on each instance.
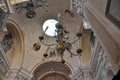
(82, 74)
(7, 42)
(3, 19)
(78, 6)
(3, 5)
(102, 64)
(3, 69)
(99, 66)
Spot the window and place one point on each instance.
(49, 27)
(113, 11)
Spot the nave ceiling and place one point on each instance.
(31, 29)
(22, 55)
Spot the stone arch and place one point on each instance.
(109, 75)
(54, 75)
(15, 55)
(49, 68)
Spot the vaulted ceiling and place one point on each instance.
(32, 28)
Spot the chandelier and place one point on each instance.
(62, 42)
(30, 6)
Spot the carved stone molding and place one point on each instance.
(77, 75)
(108, 36)
(78, 6)
(3, 67)
(3, 5)
(99, 67)
(16, 74)
(101, 64)
(6, 6)
(82, 74)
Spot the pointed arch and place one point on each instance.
(17, 52)
(43, 68)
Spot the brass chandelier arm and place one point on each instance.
(78, 35)
(75, 41)
(71, 53)
(74, 54)
(47, 44)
